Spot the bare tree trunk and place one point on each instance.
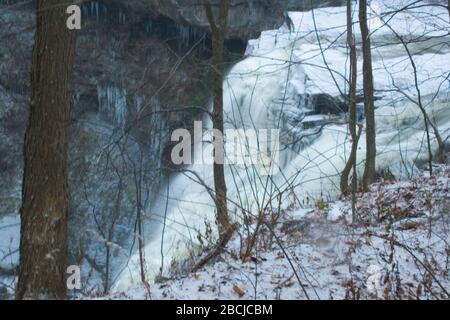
(45, 194)
(226, 229)
(426, 118)
(369, 107)
(110, 234)
(107, 266)
(345, 189)
(138, 183)
(218, 37)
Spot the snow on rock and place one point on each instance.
(320, 35)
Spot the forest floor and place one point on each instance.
(398, 249)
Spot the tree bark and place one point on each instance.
(345, 189)
(45, 191)
(369, 107)
(218, 37)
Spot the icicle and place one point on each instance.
(112, 101)
(84, 11)
(139, 103)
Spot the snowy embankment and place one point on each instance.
(398, 250)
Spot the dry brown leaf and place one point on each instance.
(239, 291)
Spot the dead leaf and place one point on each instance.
(409, 226)
(239, 291)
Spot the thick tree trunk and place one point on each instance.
(369, 108)
(345, 189)
(45, 194)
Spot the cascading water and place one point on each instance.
(271, 89)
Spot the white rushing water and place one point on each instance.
(270, 88)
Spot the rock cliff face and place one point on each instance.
(247, 17)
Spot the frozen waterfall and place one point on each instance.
(270, 89)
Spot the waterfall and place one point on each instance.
(272, 88)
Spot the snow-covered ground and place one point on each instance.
(399, 249)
